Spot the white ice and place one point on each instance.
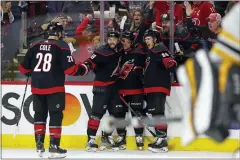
(30, 153)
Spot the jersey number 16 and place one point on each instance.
(47, 59)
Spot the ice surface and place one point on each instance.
(78, 154)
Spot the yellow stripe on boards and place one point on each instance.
(79, 142)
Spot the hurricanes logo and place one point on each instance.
(196, 21)
(126, 68)
(147, 62)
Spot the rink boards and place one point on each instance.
(76, 115)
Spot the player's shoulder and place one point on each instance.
(103, 50)
(60, 44)
(159, 48)
(138, 51)
(35, 43)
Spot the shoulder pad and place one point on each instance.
(159, 48)
(104, 50)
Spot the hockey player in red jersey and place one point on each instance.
(157, 84)
(105, 63)
(47, 62)
(131, 85)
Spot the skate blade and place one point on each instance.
(122, 147)
(89, 149)
(158, 150)
(107, 148)
(140, 148)
(56, 155)
(40, 153)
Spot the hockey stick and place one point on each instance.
(122, 24)
(146, 126)
(20, 113)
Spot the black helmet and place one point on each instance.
(129, 35)
(152, 32)
(54, 28)
(113, 33)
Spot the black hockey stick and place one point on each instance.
(21, 108)
(146, 126)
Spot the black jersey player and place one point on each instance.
(105, 63)
(47, 61)
(131, 85)
(157, 84)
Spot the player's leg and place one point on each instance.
(121, 140)
(56, 105)
(136, 103)
(101, 96)
(115, 109)
(156, 107)
(40, 117)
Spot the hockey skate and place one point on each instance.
(121, 142)
(107, 142)
(40, 144)
(40, 149)
(159, 145)
(91, 145)
(139, 142)
(55, 152)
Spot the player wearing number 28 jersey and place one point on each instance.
(47, 62)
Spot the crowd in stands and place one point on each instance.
(196, 23)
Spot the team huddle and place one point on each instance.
(124, 74)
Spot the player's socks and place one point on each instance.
(39, 129)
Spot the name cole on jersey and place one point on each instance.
(47, 61)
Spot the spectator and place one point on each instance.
(199, 12)
(160, 8)
(84, 35)
(138, 26)
(214, 27)
(187, 41)
(113, 25)
(6, 13)
(96, 42)
(74, 8)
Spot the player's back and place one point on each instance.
(47, 73)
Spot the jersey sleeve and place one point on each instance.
(25, 66)
(92, 61)
(68, 63)
(167, 60)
